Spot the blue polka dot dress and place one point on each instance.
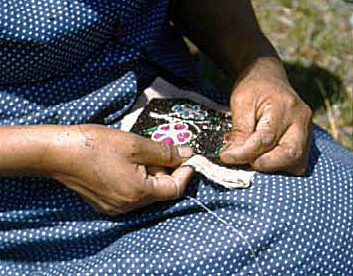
(86, 61)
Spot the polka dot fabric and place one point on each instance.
(70, 62)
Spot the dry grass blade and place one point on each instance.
(331, 118)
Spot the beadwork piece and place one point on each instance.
(189, 111)
(183, 122)
(177, 133)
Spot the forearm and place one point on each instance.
(27, 150)
(228, 32)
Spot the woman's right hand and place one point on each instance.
(116, 171)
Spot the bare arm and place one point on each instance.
(116, 171)
(271, 124)
(23, 149)
(226, 30)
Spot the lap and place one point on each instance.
(282, 225)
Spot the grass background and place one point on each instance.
(315, 40)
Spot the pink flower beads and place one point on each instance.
(174, 133)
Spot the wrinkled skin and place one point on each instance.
(271, 124)
(117, 171)
(271, 127)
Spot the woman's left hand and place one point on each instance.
(271, 126)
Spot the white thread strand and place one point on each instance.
(232, 227)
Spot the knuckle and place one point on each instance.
(303, 110)
(291, 102)
(236, 129)
(298, 159)
(133, 148)
(307, 111)
(167, 153)
(236, 98)
(268, 139)
(136, 194)
(240, 129)
(293, 153)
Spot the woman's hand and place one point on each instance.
(271, 124)
(117, 171)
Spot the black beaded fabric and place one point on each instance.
(207, 131)
(71, 62)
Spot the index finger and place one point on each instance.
(141, 150)
(291, 155)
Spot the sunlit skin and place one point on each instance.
(271, 124)
(117, 172)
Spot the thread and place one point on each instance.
(230, 226)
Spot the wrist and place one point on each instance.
(269, 68)
(25, 150)
(67, 147)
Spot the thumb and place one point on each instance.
(243, 125)
(164, 187)
(236, 142)
(262, 140)
(147, 152)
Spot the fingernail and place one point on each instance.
(188, 167)
(185, 152)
